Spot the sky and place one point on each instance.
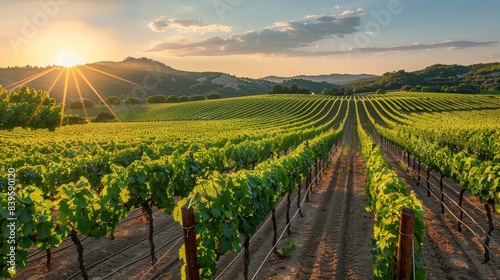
(253, 38)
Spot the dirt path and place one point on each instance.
(338, 241)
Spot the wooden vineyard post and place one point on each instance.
(405, 243)
(418, 174)
(488, 234)
(308, 177)
(428, 183)
(308, 182)
(442, 193)
(188, 223)
(460, 200)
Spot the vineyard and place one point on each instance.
(275, 185)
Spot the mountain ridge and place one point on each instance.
(336, 79)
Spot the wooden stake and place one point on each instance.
(405, 243)
(188, 223)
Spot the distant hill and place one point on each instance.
(315, 87)
(435, 77)
(337, 79)
(146, 77)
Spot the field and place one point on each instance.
(306, 187)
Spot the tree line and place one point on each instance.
(153, 99)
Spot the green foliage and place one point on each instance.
(380, 91)
(159, 98)
(104, 116)
(288, 250)
(213, 95)
(327, 91)
(114, 100)
(227, 206)
(173, 99)
(83, 103)
(196, 97)
(298, 86)
(28, 108)
(132, 101)
(74, 119)
(183, 98)
(387, 195)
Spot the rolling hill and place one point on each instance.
(337, 79)
(145, 77)
(476, 76)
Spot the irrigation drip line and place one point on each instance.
(71, 244)
(465, 198)
(141, 258)
(460, 221)
(281, 236)
(289, 223)
(56, 251)
(168, 251)
(119, 252)
(255, 235)
(455, 203)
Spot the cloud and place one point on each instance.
(162, 23)
(348, 13)
(448, 45)
(291, 38)
(279, 39)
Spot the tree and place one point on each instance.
(173, 99)
(83, 103)
(405, 88)
(213, 95)
(303, 90)
(467, 88)
(29, 108)
(348, 91)
(294, 89)
(183, 98)
(381, 91)
(132, 101)
(426, 89)
(74, 119)
(196, 97)
(277, 89)
(159, 98)
(114, 100)
(326, 91)
(104, 116)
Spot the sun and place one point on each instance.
(68, 59)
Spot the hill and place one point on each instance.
(134, 77)
(337, 79)
(438, 77)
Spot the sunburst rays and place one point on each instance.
(76, 73)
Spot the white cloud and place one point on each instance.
(348, 13)
(162, 23)
(278, 39)
(290, 38)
